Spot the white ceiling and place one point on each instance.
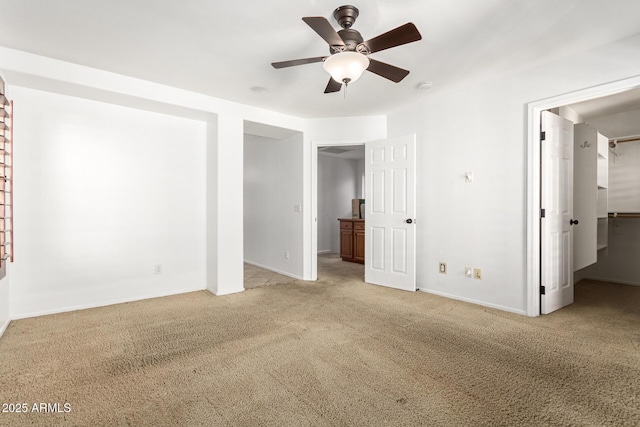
(224, 49)
(607, 105)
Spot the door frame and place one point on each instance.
(314, 194)
(534, 174)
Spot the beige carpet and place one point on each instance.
(255, 277)
(335, 352)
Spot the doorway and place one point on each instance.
(271, 208)
(535, 171)
(616, 119)
(340, 182)
(388, 228)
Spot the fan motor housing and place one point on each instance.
(351, 38)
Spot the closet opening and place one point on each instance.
(616, 121)
(589, 217)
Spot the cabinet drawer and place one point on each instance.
(358, 225)
(346, 225)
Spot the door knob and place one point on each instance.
(409, 221)
(573, 221)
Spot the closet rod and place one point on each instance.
(630, 138)
(624, 215)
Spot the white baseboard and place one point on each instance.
(324, 251)
(482, 303)
(275, 270)
(103, 303)
(4, 327)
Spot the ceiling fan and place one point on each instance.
(349, 53)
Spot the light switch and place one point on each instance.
(297, 208)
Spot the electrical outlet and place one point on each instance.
(442, 268)
(468, 272)
(286, 254)
(157, 269)
(477, 273)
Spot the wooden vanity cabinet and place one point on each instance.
(352, 239)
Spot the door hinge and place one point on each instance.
(542, 213)
(543, 135)
(542, 290)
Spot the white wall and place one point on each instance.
(624, 178)
(482, 127)
(223, 159)
(338, 183)
(104, 193)
(360, 191)
(346, 129)
(272, 189)
(619, 262)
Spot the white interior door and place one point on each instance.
(390, 213)
(557, 202)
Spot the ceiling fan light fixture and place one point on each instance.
(346, 67)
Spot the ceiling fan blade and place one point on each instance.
(324, 29)
(404, 34)
(387, 71)
(294, 62)
(333, 86)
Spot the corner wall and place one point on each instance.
(273, 191)
(224, 203)
(221, 124)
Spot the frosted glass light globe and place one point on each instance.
(346, 67)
